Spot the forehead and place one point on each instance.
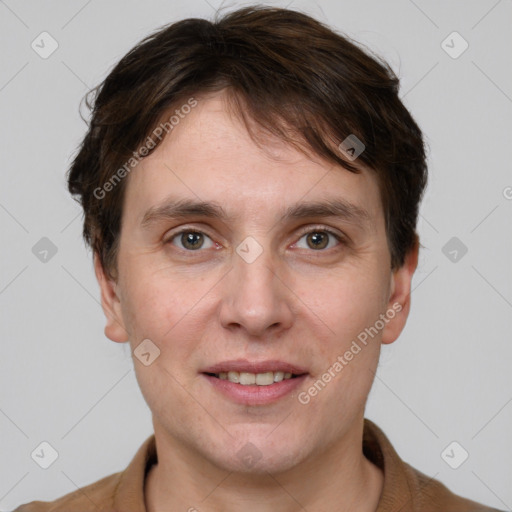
(210, 156)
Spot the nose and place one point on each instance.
(256, 299)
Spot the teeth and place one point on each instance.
(248, 379)
(278, 376)
(264, 379)
(233, 377)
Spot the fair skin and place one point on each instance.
(201, 303)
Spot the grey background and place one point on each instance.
(446, 379)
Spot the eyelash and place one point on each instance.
(316, 229)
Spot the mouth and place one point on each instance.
(254, 383)
(251, 379)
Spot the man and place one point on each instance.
(251, 190)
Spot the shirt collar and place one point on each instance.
(129, 495)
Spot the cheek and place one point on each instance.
(148, 311)
(156, 301)
(172, 313)
(172, 321)
(351, 303)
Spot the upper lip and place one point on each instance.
(243, 365)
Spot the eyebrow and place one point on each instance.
(184, 208)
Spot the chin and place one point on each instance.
(260, 454)
(249, 461)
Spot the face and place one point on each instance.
(255, 284)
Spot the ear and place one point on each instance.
(114, 329)
(400, 295)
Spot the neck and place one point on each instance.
(341, 478)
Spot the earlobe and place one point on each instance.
(400, 295)
(111, 305)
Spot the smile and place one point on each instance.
(258, 379)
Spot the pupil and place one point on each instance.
(192, 239)
(317, 237)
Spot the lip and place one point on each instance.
(254, 394)
(243, 365)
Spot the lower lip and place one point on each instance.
(254, 394)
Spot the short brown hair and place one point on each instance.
(291, 74)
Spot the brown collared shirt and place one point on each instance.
(405, 489)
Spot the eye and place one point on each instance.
(190, 240)
(318, 239)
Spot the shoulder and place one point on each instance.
(95, 497)
(118, 492)
(405, 487)
(431, 495)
